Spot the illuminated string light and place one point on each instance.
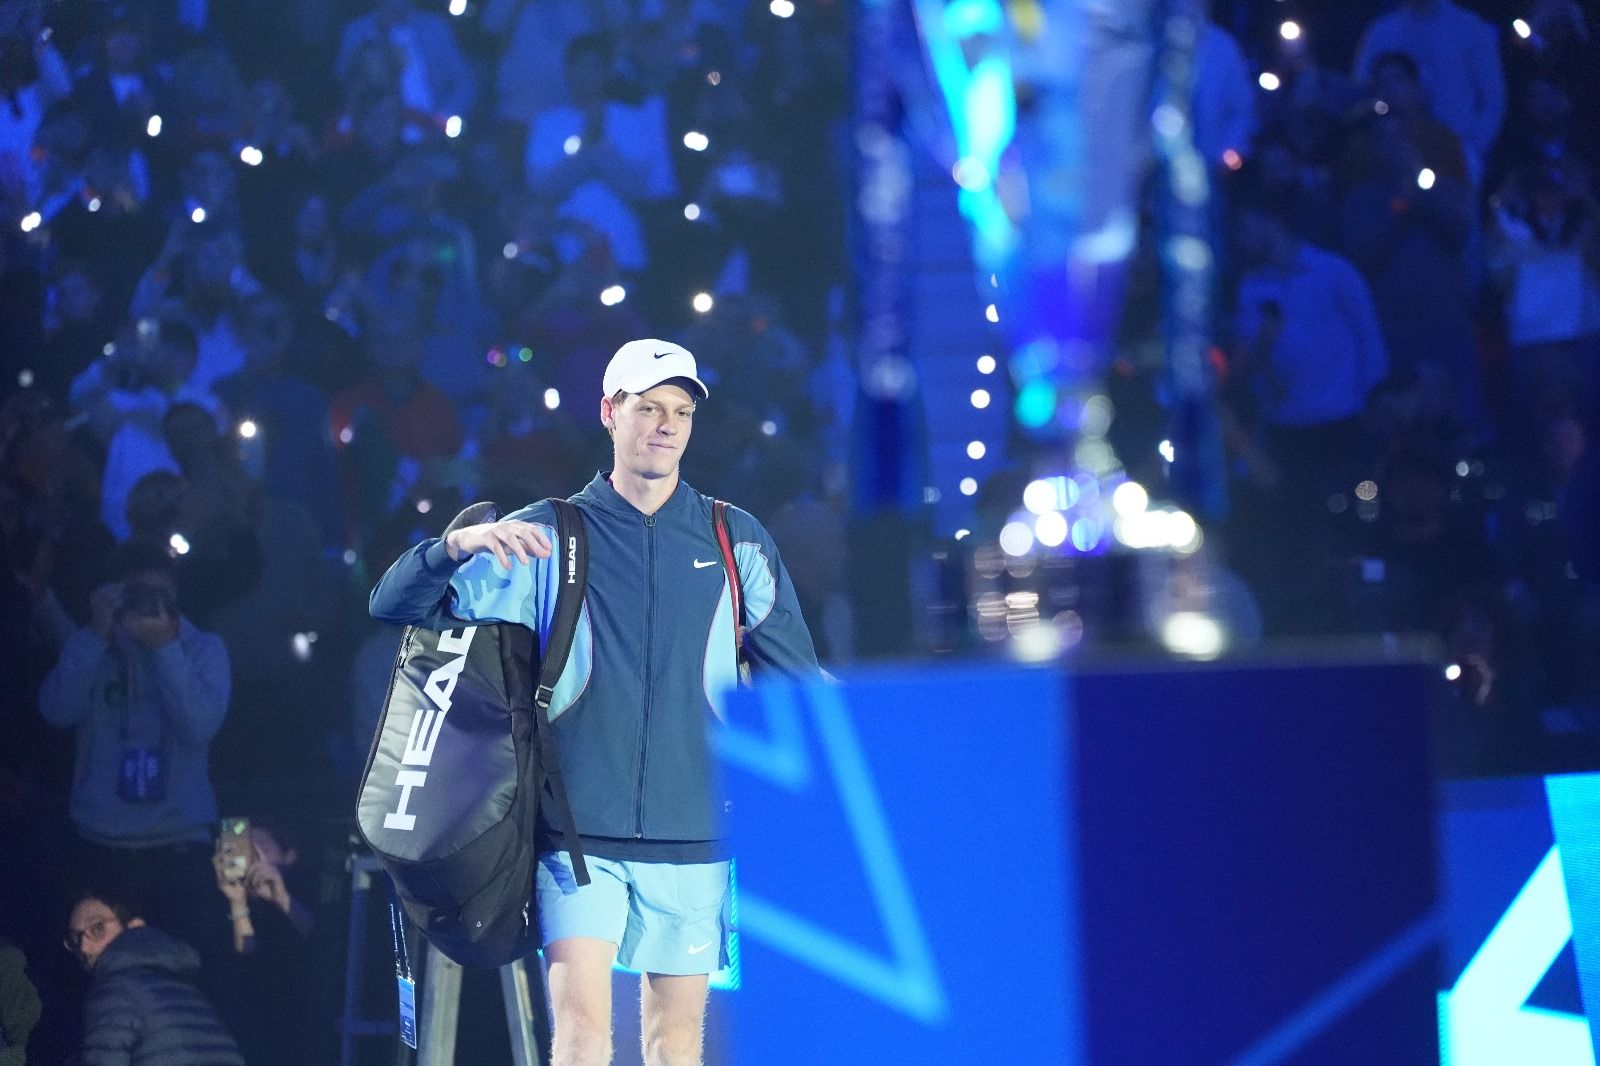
(250, 156)
(552, 399)
(1051, 529)
(612, 295)
(1269, 81)
(198, 215)
(1521, 28)
(1289, 30)
(702, 302)
(992, 313)
(696, 141)
(248, 429)
(31, 221)
(452, 126)
(986, 364)
(1016, 538)
(976, 449)
(152, 128)
(691, 212)
(980, 398)
(968, 486)
(1425, 178)
(179, 544)
(1452, 672)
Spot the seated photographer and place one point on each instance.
(146, 692)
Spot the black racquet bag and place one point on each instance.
(464, 754)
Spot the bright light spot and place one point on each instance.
(1051, 529)
(612, 295)
(1367, 490)
(770, 428)
(510, 250)
(713, 77)
(1289, 30)
(346, 435)
(250, 155)
(109, 349)
(986, 364)
(458, 7)
(696, 141)
(1039, 497)
(1193, 634)
(963, 534)
(572, 144)
(1183, 533)
(1463, 468)
(1452, 672)
(1381, 107)
(349, 557)
(153, 127)
(1268, 81)
(1521, 28)
(552, 399)
(969, 486)
(248, 429)
(25, 378)
(992, 313)
(1425, 178)
(976, 449)
(1016, 538)
(702, 302)
(424, 505)
(179, 544)
(94, 203)
(1097, 415)
(198, 215)
(980, 398)
(301, 645)
(691, 211)
(32, 221)
(1167, 120)
(970, 174)
(782, 8)
(1129, 499)
(1232, 159)
(1167, 451)
(452, 126)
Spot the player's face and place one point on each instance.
(651, 430)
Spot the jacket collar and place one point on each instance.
(601, 493)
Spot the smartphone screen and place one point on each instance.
(233, 844)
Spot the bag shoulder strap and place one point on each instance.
(719, 523)
(572, 566)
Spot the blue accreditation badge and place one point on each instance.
(408, 1011)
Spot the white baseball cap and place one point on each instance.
(641, 365)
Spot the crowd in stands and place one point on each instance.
(282, 288)
(1409, 351)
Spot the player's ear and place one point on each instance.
(607, 413)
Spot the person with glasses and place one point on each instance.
(143, 1007)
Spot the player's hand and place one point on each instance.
(507, 540)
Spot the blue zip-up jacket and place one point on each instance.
(654, 651)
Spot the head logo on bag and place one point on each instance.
(428, 723)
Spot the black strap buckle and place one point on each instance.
(543, 696)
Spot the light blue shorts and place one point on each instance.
(665, 917)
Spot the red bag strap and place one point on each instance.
(719, 522)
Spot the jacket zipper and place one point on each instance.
(649, 634)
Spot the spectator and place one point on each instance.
(434, 80)
(19, 1005)
(1544, 240)
(143, 1007)
(1224, 99)
(123, 89)
(599, 158)
(207, 261)
(1406, 215)
(145, 691)
(1458, 55)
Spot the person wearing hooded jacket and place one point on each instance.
(143, 1008)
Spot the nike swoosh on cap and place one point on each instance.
(662, 355)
